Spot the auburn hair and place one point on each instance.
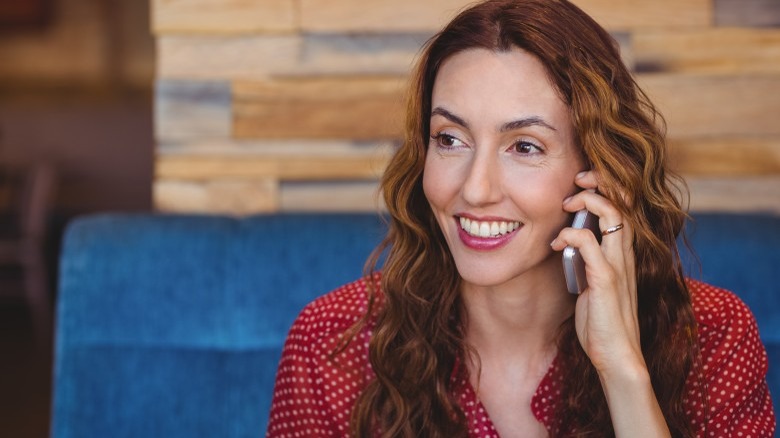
(419, 335)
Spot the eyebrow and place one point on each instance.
(528, 121)
(509, 126)
(449, 116)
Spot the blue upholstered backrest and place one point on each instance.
(173, 325)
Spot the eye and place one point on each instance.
(525, 147)
(447, 141)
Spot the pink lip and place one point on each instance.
(484, 243)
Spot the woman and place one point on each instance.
(521, 113)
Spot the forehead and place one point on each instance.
(512, 79)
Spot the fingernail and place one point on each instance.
(567, 200)
(582, 174)
(553, 242)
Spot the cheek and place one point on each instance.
(544, 192)
(435, 185)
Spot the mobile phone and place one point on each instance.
(573, 265)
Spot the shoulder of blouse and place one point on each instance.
(718, 309)
(728, 334)
(329, 317)
(733, 369)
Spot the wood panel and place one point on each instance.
(350, 54)
(239, 197)
(748, 194)
(210, 147)
(354, 108)
(747, 12)
(638, 14)
(345, 16)
(226, 57)
(223, 16)
(429, 16)
(708, 106)
(715, 50)
(360, 196)
(192, 109)
(203, 167)
(725, 156)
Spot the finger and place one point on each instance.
(600, 271)
(587, 179)
(609, 216)
(609, 283)
(590, 179)
(616, 246)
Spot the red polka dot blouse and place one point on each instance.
(313, 397)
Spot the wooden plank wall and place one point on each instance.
(287, 105)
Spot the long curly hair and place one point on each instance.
(418, 337)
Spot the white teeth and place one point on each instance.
(487, 229)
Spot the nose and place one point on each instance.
(482, 185)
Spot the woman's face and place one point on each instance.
(501, 159)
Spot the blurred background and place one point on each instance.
(76, 81)
(253, 106)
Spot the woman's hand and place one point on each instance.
(606, 317)
(606, 312)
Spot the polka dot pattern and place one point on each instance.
(728, 394)
(316, 389)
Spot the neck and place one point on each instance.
(518, 319)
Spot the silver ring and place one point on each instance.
(611, 230)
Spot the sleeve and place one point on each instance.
(734, 368)
(298, 407)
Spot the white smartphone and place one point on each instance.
(573, 265)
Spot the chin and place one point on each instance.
(490, 275)
(485, 276)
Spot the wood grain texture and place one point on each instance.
(352, 196)
(192, 109)
(353, 54)
(276, 148)
(223, 16)
(227, 57)
(298, 168)
(710, 106)
(219, 196)
(343, 16)
(747, 13)
(710, 51)
(638, 14)
(362, 108)
(748, 194)
(726, 156)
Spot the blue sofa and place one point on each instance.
(172, 326)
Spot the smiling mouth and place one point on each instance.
(487, 228)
